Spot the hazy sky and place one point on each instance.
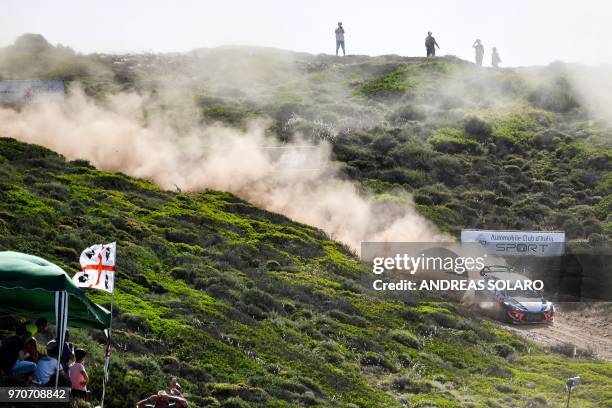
(525, 32)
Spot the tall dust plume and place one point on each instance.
(302, 183)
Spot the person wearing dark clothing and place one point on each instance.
(430, 45)
(479, 48)
(38, 328)
(340, 38)
(67, 352)
(13, 355)
(41, 325)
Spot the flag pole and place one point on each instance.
(62, 319)
(108, 347)
(83, 279)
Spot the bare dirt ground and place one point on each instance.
(587, 328)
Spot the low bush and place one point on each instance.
(406, 113)
(406, 338)
(478, 129)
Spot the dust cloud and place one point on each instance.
(303, 183)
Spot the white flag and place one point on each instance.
(98, 264)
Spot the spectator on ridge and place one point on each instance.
(479, 48)
(495, 59)
(340, 38)
(430, 45)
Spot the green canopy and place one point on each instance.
(28, 285)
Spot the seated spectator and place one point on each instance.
(175, 387)
(31, 349)
(41, 327)
(78, 375)
(13, 355)
(46, 370)
(162, 400)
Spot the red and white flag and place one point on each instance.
(98, 264)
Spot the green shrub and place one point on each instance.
(234, 402)
(406, 113)
(414, 178)
(390, 85)
(261, 299)
(230, 115)
(406, 338)
(347, 319)
(384, 143)
(452, 141)
(407, 383)
(444, 319)
(556, 97)
(478, 129)
(242, 391)
(135, 322)
(375, 359)
(495, 370)
(503, 349)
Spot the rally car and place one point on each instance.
(517, 306)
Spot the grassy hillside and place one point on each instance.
(478, 148)
(250, 309)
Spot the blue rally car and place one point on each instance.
(517, 306)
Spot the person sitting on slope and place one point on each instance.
(162, 400)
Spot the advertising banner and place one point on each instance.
(23, 91)
(517, 243)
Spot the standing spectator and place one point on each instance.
(430, 45)
(78, 376)
(479, 48)
(340, 38)
(13, 356)
(495, 59)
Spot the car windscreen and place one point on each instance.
(527, 293)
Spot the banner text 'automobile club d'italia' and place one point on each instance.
(23, 91)
(517, 243)
(98, 264)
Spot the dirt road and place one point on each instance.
(588, 329)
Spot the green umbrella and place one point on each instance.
(28, 286)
